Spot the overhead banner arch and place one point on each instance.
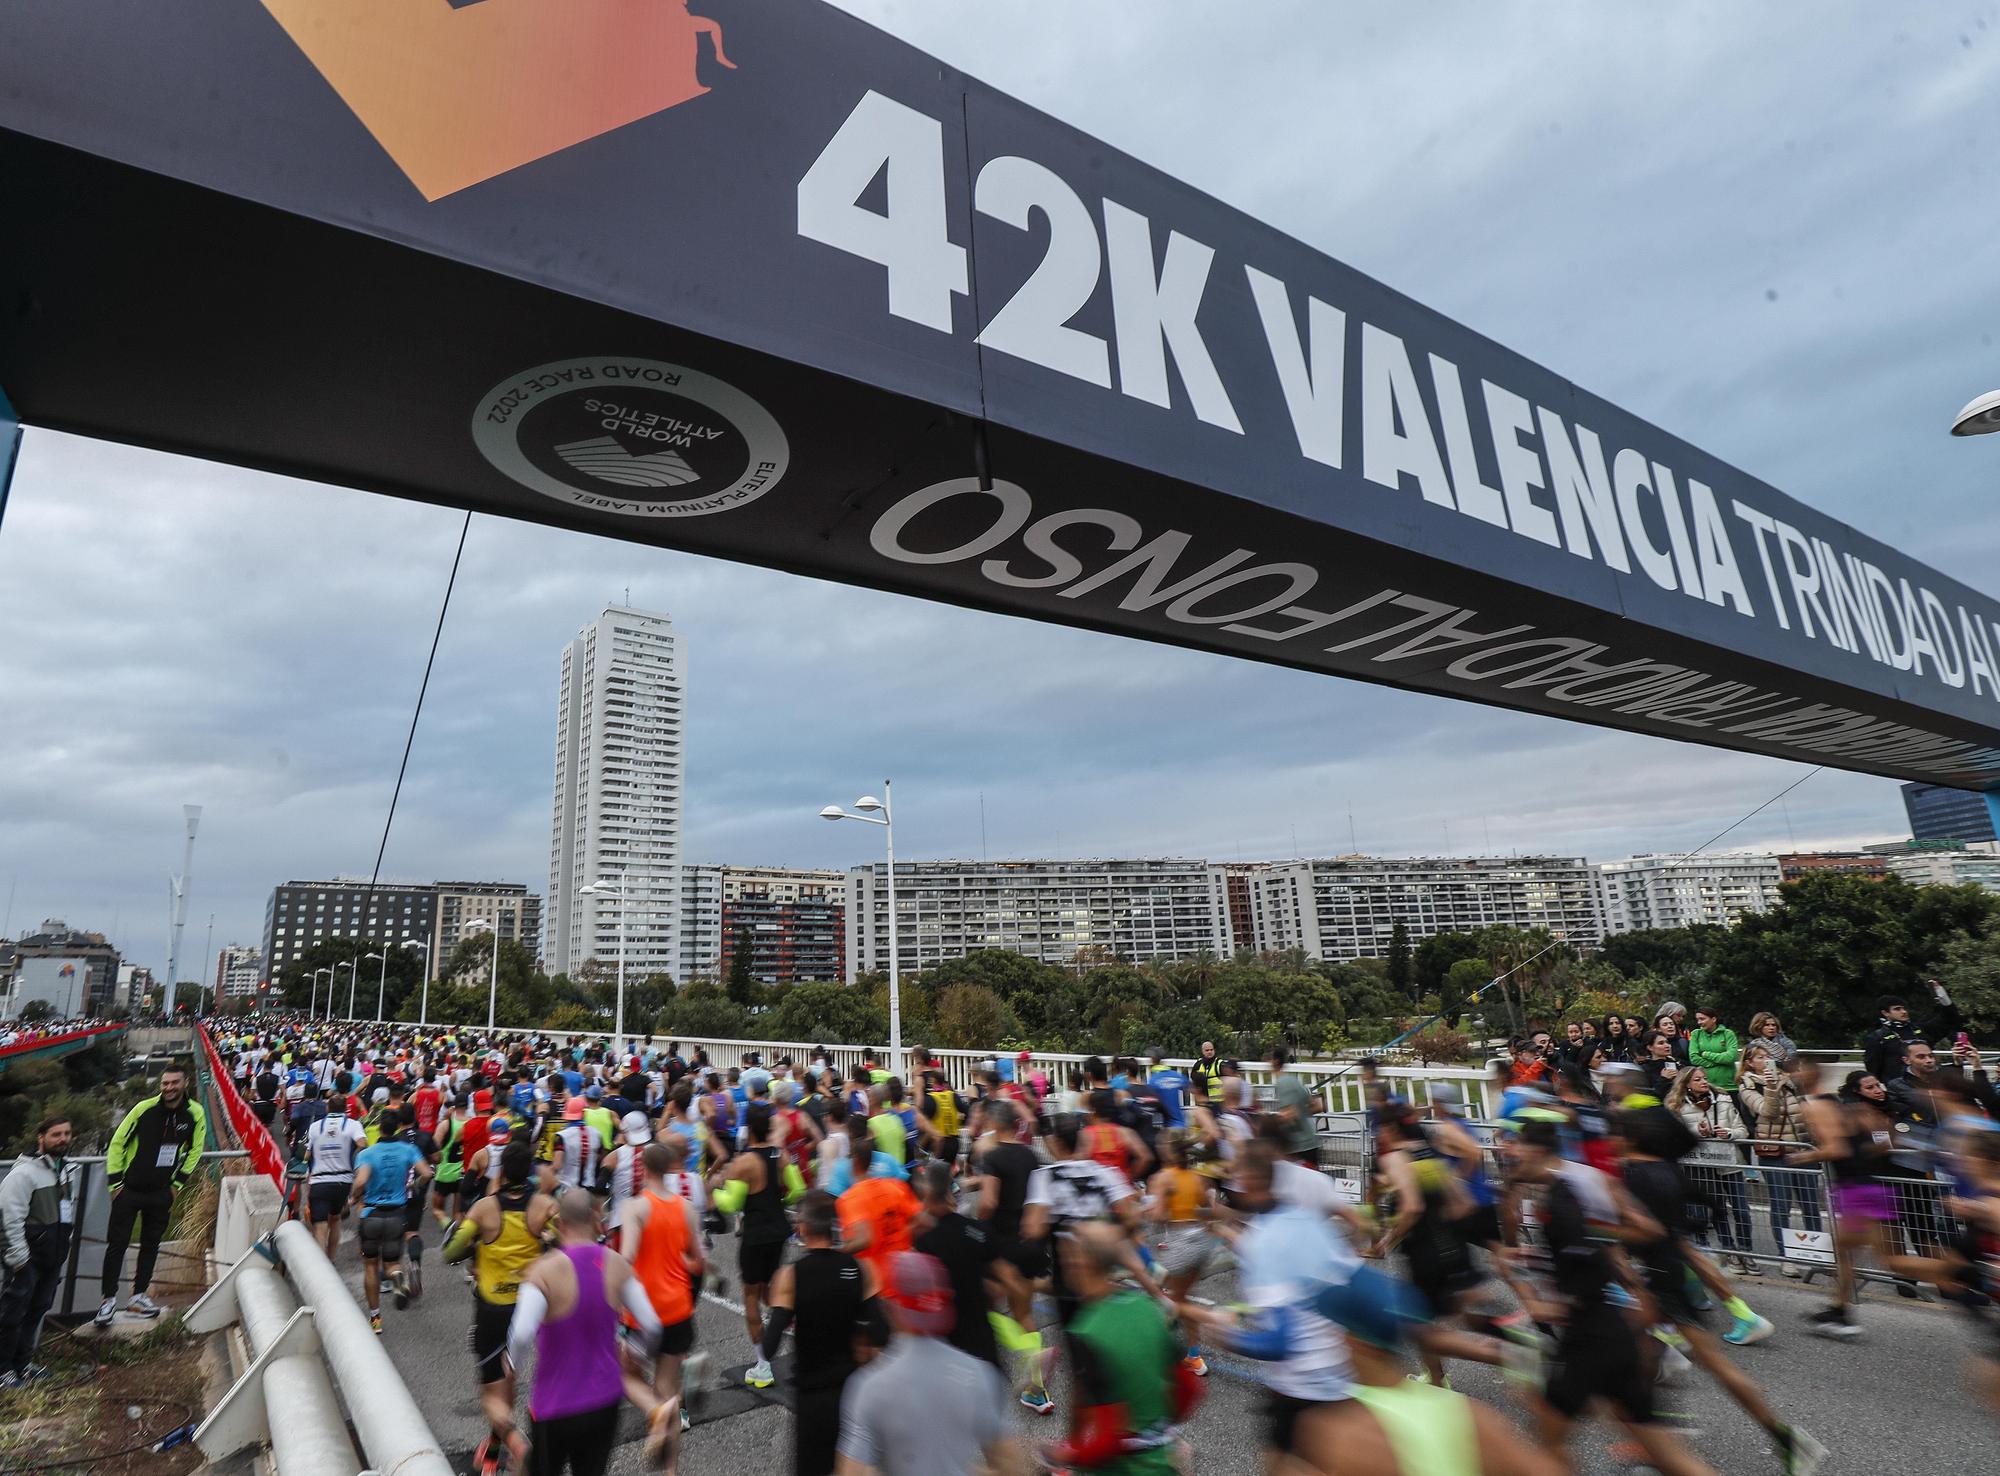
(752, 279)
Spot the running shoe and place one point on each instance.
(142, 1305)
(9, 1381)
(1747, 1330)
(1038, 1401)
(485, 1460)
(402, 1286)
(1836, 1322)
(106, 1310)
(1802, 1454)
(758, 1375)
(1673, 1363)
(32, 1371)
(1195, 1364)
(663, 1432)
(375, 1323)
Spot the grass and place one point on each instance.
(84, 1405)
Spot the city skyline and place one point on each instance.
(194, 633)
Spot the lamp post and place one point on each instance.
(312, 1006)
(381, 983)
(423, 1009)
(478, 925)
(352, 969)
(868, 805)
(1981, 417)
(617, 894)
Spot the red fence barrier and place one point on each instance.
(265, 1155)
(43, 1042)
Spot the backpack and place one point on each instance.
(947, 1115)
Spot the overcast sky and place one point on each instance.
(1773, 238)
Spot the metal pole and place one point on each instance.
(353, 973)
(618, 1028)
(424, 1009)
(895, 980)
(192, 813)
(493, 987)
(312, 1003)
(382, 984)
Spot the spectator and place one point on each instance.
(1714, 1119)
(1530, 1067)
(1882, 1048)
(1293, 1104)
(1777, 1122)
(1658, 1062)
(1764, 1027)
(153, 1156)
(1617, 1044)
(37, 1201)
(1670, 1019)
(1714, 1048)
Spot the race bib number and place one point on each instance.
(65, 1212)
(166, 1156)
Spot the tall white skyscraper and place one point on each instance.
(619, 784)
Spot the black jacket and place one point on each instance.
(1882, 1049)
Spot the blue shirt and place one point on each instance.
(574, 1081)
(1172, 1087)
(389, 1168)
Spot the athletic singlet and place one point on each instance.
(1184, 1192)
(451, 1152)
(660, 1262)
(579, 1156)
(628, 1178)
(1430, 1430)
(501, 1262)
(1105, 1146)
(764, 1211)
(827, 1293)
(1867, 1157)
(576, 1362)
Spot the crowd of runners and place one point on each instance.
(931, 1252)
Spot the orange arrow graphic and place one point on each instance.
(459, 94)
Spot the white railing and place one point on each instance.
(1337, 1082)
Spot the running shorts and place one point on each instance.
(327, 1200)
(758, 1263)
(1188, 1249)
(1281, 1420)
(1597, 1357)
(382, 1233)
(1864, 1202)
(578, 1442)
(490, 1321)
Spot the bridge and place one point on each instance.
(49, 1047)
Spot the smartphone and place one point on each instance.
(1964, 1039)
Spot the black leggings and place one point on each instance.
(150, 1207)
(578, 1443)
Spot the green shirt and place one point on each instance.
(1290, 1092)
(1125, 1354)
(1716, 1052)
(887, 1130)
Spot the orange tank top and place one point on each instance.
(661, 1260)
(1107, 1146)
(1183, 1192)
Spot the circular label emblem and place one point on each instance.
(637, 437)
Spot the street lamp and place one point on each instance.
(423, 1009)
(481, 925)
(1980, 418)
(868, 805)
(352, 969)
(312, 1006)
(381, 984)
(617, 894)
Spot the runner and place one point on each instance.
(1180, 1201)
(966, 1249)
(822, 1297)
(753, 1182)
(1853, 1140)
(568, 1313)
(1395, 1426)
(503, 1234)
(1597, 1353)
(1659, 1186)
(331, 1143)
(447, 1203)
(382, 1189)
(661, 1238)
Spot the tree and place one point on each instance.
(972, 1017)
(1178, 1030)
(1400, 976)
(832, 1014)
(1662, 961)
(1970, 973)
(742, 982)
(572, 1017)
(712, 1018)
(1436, 954)
(1832, 945)
(37, 1010)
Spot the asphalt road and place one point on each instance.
(1895, 1396)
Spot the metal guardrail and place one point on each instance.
(93, 1217)
(308, 1338)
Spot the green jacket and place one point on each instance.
(135, 1146)
(1716, 1052)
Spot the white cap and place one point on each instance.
(637, 1129)
(381, 1095)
